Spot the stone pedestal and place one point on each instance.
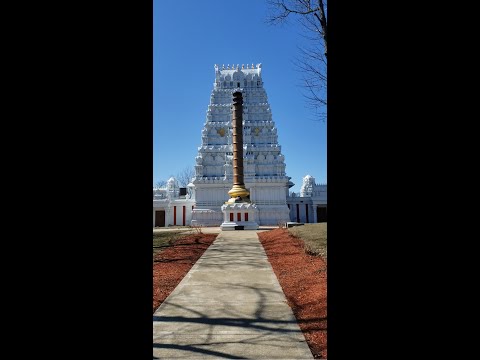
(239, 216)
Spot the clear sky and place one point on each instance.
(191, 36)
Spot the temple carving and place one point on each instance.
(264, 170)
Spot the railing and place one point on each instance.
(269, 202)
(314, 194)
(203, 204)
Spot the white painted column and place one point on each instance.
(168, 216)
(314, 213)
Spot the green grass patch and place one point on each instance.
(314, 236)
(164, 239)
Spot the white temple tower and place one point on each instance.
(264, 164)
(307, 186)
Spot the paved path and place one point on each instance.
(229, 306)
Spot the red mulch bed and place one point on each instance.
(304, 281)
(173, 263)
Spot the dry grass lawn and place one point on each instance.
(163, 240)
(314, 237)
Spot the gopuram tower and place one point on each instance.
(263, 165)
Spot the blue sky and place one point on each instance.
(189, 38)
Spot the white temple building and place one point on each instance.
(264, 164)
(170, 207)
(311, 204)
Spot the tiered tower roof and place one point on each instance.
(263, 159)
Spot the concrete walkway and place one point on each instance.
(229, 306)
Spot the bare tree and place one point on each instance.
(312, 61)
(160, 184)
(185, 176)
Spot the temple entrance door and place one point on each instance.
(160, 218)
(321, 214)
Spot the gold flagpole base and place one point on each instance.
(238, 193)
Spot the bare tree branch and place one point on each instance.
(185, 176)
(312, 62)
(160, 184)
(323, 22)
